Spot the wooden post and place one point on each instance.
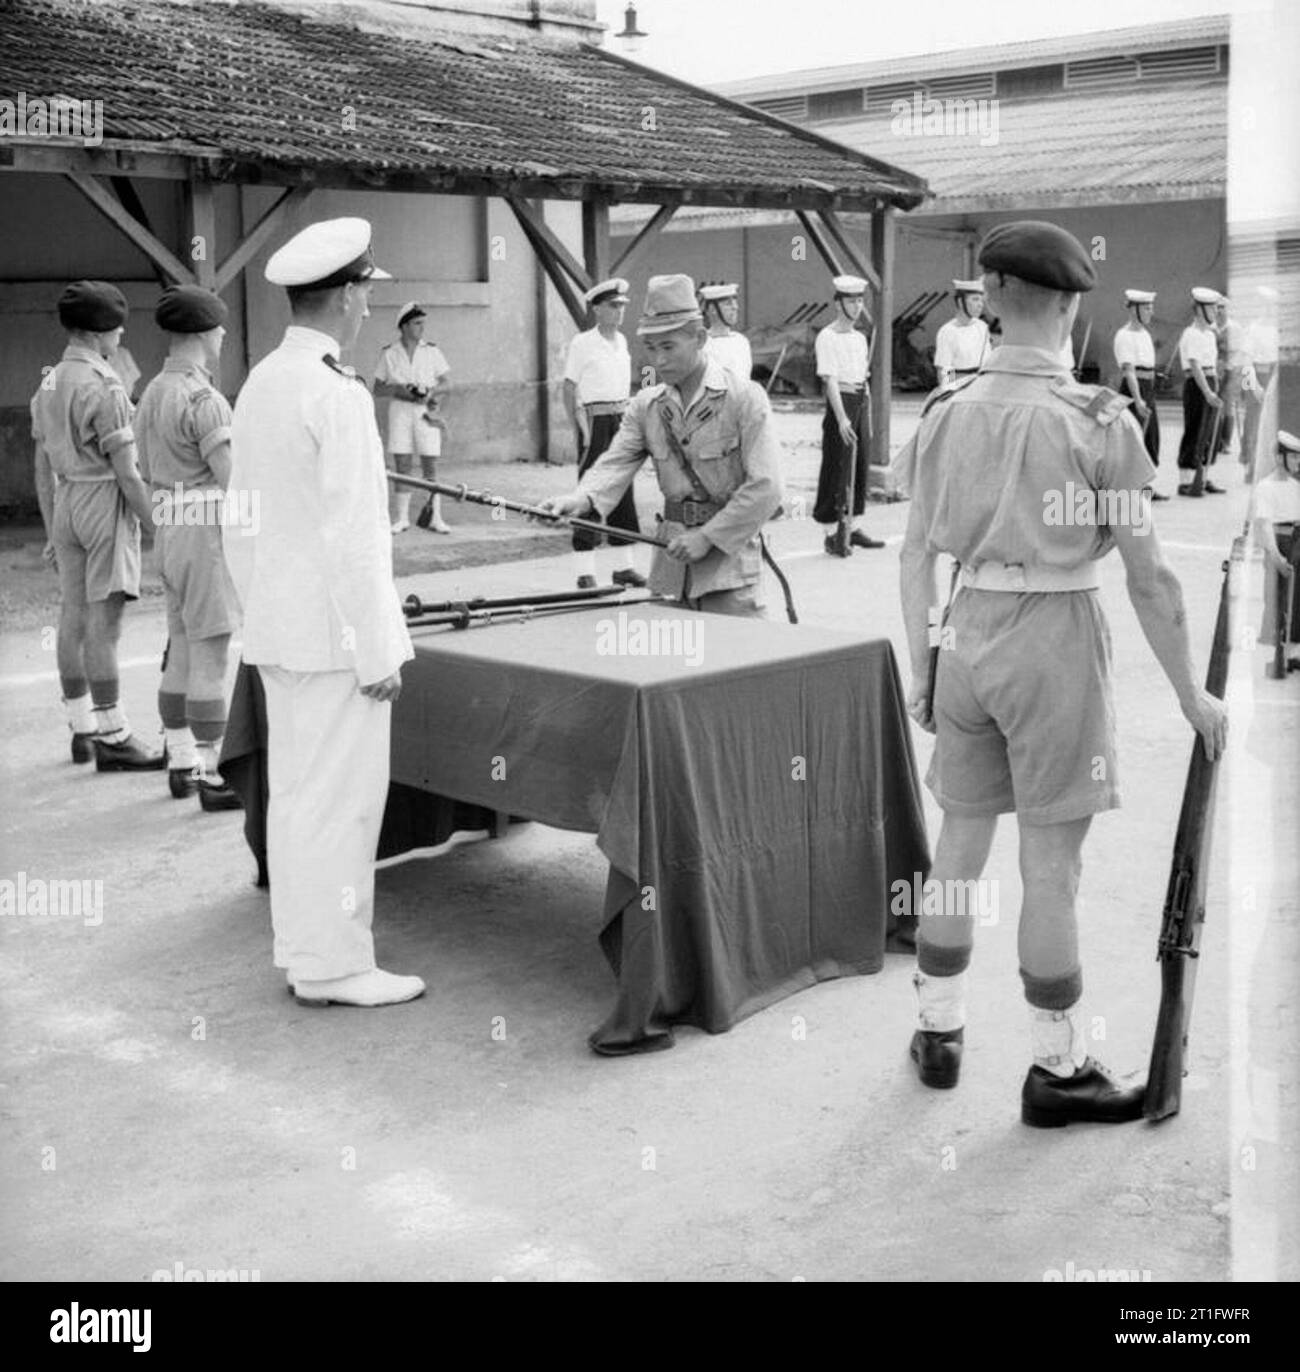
(112, 209)
(595, 237)
(650, 231)
(201, 220)
(882, 260)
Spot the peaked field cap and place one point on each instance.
(729, 291)
(189, 309)
(1132, 297)
(849, 285)
(1207, 295)
(1040, 252)
(96, 306)
(411, 310)
(613, 291)
(968, 287)
(1287, 442)
(331, 252)
(670, 303)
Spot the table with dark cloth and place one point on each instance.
(756, 806)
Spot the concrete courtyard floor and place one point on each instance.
(167, 1102)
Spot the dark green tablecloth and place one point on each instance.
(755, 807)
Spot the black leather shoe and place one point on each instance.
(1155, 495)
(216, 795)
(131, 755)
(1187, 490)
(181, 782)
(586, 583)
(861, 540)
(832, 546)
(1212, 489)
(629, 577)
(1092, 1095)
(83, 747)
(937, 1056)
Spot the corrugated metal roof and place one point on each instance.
(261, 92)
(995, 57)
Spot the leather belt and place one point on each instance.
(1013, 577)
(599, 407)
(692, 513)
(846, 389)
(1147, 373)
(86, 480)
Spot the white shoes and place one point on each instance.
(371, 988)
(440, 526)
(401, 526)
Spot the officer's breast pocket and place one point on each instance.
(719, 465)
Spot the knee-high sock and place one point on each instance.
(403, 508)
(111, 724)
(77, 704)
(180, 741)
(940, 983)
(1056, 1022)
(207, 721)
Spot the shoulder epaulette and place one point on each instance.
(945, 392)
(335, 366)
(1098, 402)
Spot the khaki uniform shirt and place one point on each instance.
(993, 455)
(81, 415)
(182, 418)
(727, 435)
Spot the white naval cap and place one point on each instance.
(1207, 295)
(1287, 442)
(611, 292)
(728, 291)
(331, 252)
(411, 310)
(968, 287)
(1139, 297)
(849, 285)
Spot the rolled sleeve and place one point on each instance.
(1123, 464)
(209, 422)
(110, 420)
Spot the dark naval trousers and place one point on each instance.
(623, 515)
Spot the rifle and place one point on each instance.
(463, 616)
(1184, 913)
(413, 605)
(936, 636)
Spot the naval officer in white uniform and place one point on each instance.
(322, 620)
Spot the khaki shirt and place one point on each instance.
(81, 415)
(996, 459)
(182, 418)
(727, 435)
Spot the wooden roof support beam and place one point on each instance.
(824, 249)
(647, 234)
(201, 217)
(849, 248)
(550, 263)
(883, 222)
(259, 234)
(126, 193)
(112, 209)
(595, 236)
(538, 231)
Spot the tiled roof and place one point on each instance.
(260, 93)
(1205, 31)
(1159, 143)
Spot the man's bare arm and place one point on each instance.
(126, 469)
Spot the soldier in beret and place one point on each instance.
(1021, 704)
(183, 431)
(92, 503)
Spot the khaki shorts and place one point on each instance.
(408, 432)
(201, 600)
(96, 541)
(1024, 716)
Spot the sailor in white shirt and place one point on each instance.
(597, 387)
(721, 308)
(843, 365)
(1135, 355)
(1276, 513)
(963, 342)
(413, 373)
(322, 620)
(1198, 354)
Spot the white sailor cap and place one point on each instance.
(1139, 297)
(729, 291)
(849, 285)
(611, 292)
(411, 310)
(1287, 442)
(968, 287)
(1206, 295)
(331, 252)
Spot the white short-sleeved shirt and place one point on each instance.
(961, 347)
(600, 367)
(733, 351)
(425, 367)
(1198, 345)
(1277, 499)
(842, 355)
(1135, 346)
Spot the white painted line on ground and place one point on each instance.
(32, 678)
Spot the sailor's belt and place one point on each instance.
(87, 480)
(1014, 576)
(1147, 373)
(965, 371)
(845, 387)
(599, 407)
(692, 513)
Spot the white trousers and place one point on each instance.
(327, 776)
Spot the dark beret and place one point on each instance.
(190, 309)
(1040, 252)
(96, 306)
